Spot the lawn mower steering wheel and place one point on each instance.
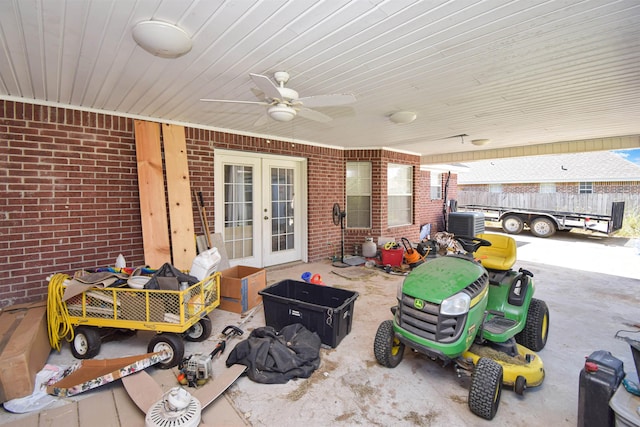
(471, 243)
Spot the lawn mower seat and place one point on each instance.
(501, 255)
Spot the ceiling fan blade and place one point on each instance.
(233, 101)
(327, 100)
(314, 115)
(266, 85)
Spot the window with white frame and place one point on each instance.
(358, 195)
(585, 188)
(495, 188)
(436, 186)
(547, 187)
(399, 194)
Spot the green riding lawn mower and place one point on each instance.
(471, 309)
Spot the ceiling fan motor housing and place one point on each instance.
(177, 408)
(287, 94)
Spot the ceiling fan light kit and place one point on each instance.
(403, 117)
(282, 113)
(161, 39)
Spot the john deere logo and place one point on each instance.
(418, 303)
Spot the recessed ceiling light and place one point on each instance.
(480, 141)
(162, 39)
(403, 117)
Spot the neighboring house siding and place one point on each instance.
(631, 187)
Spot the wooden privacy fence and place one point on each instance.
(595, 204)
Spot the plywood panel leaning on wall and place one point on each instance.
(153, 208)
(183, 246)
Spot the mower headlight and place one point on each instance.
(456, 305)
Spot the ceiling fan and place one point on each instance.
(284, 104)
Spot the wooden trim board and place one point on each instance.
(183, 245)
(153, 208)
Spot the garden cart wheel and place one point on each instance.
(86, 342)
(200, 331)
(172, 344)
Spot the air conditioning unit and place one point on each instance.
(466, 223)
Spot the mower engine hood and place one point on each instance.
(440, 278)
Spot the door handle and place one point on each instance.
(266, 217)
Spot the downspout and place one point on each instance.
(445, 202)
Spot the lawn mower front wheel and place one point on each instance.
(486, 388)
(387, 348)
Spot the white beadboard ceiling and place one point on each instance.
(519, 72)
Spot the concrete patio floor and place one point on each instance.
(591, 285)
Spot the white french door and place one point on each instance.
(259, 211)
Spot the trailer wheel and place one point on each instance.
(86, 342)
(170, 343)
(512, 224)
(199, 331)
(542, 227)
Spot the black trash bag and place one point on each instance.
(276, 357)
(168, 278)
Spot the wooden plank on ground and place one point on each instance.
(128, 412)
(63, 416)
(99, 409)
(183, 245)
(153, 208)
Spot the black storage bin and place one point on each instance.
(466, 223)
(322, 309)
(599, 380)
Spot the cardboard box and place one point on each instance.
(24, 348)
(239, 288)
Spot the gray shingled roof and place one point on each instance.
(596, 166)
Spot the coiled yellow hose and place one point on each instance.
(57, 314)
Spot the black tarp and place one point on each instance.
(276, 357)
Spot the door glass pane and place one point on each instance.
(282, 213)
(238, 211)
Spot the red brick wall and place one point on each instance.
(325, 170)
(69, 196)
(425, 210)
(69, 192)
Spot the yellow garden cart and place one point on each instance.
(175, 315)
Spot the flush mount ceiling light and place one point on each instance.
(281, 113)
(402, 117)
(161, 39)
(480, 141)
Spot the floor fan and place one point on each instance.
(338, 219)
